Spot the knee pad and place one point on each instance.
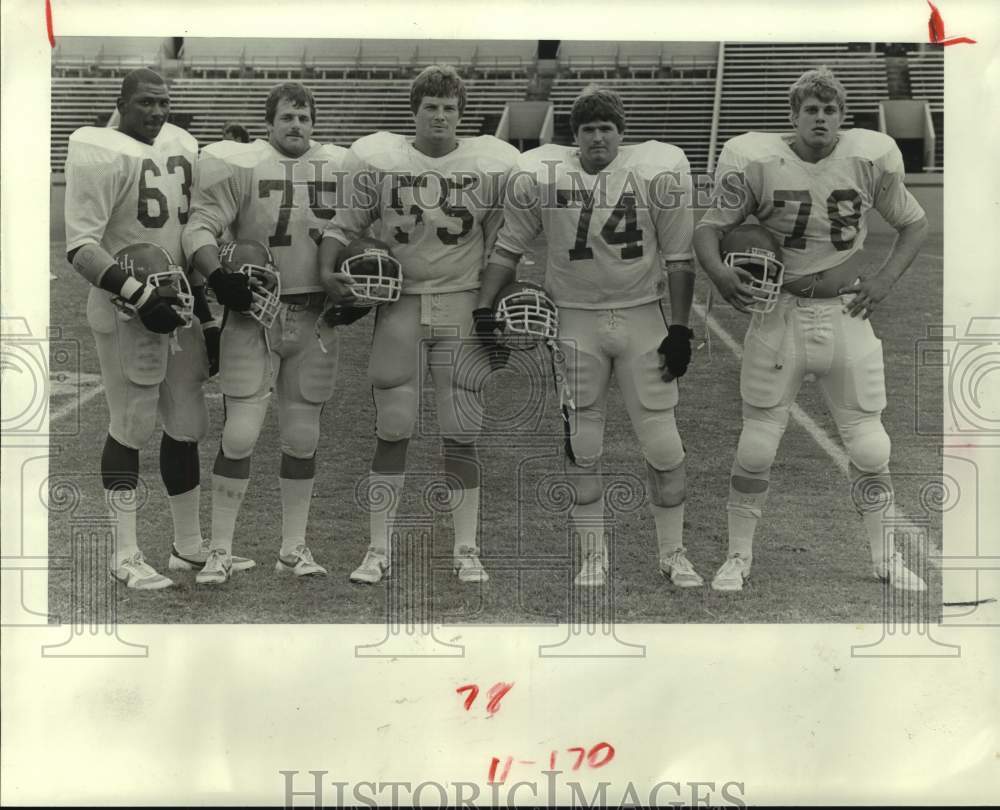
(868, 446)
(667, 487)
(661, 443)
(135, 424)
(395, 411)
(585, 436)
(758, 445)
(299, 428)
(243, 421)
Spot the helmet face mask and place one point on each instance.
(376, 277)
(528, 314)
(768, 274)
(152, 265)
(254, 260)
(756, 250)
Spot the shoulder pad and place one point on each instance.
(541, 157)
(752, 146)
(380, 149)
(245, 155)
(867, 143)
(493, 149)
(103, 144)
(174, 134)
(332, 153)
(656, 157)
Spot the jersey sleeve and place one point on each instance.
(892, 199)
(671, 212)
(215, 204)
(733, 195)
(94, 176)
(358, 202)
(522, 219)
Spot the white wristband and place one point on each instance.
(130, 288)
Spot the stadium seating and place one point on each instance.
(678, 111)
(927, 84)
(756, 78)
(346, 109)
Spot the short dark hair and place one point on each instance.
(237, 131)
(820, 83)
(437, 81)
(298, 94)
(139, 76)
(597, 104)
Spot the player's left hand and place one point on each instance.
(675, 352)
(868, 294)
(213, 339)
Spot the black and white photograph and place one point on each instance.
(499, 356)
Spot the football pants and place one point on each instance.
(142, 375)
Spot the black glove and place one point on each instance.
(213, 338)
(156, 308)
(676, 349)
(343, 315)
(485, 325)
(231, 290)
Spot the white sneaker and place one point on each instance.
(733, 573)
(593, 571)
(468, 566)
(300, 562)
(895, 572)
(678, 567)
(189, 562)
(373, 567)
(137, 574)
(218, 568)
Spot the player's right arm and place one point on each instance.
(522, 222)
(215, 207)
(358, 206)
(733, 200)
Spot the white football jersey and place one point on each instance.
(261, 194)
(816, 210)
(608, 234)
(439, 215)
(120, 191)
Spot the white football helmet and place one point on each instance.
(528, 315)
(152, 265)
(254, 260)
(376, 276)
(756, 250)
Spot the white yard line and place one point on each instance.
(75, 405)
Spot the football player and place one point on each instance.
(811, 190)
(618, 223)
(435, 200)
(128, 193)
(275, 196)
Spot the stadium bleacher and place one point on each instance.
(362, 85)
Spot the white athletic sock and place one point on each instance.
(296, 494)
(588, 523)
(744, 510)
(464, 506)
(880, 542)
(227, 496)
(669, 528)
(121, 505)
(187, 520)
(384, 492)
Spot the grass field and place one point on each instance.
(811, 561)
